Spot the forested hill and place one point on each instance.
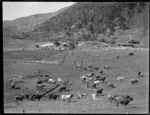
(26, 24)
(91, 19)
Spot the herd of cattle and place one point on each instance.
(96, 79)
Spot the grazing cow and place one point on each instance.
(110, 98)
(63, 88)
(89, 74)
(90, 66)
(85, 68)
(133, 81)
(123, 99)
(96, 68)
(101, 71)
(27, 96)
(139, 73)
(99, 91)
(107, 67)
(111, 85)
(91, 78)
(39, 82)
(80, 95)
(94, 96)
(53, 96)
(20, 77)
(141, 76)
(40, 86)
(83, 78)
(36, 96)
(12, 80)
(19, 98)
(120, 78)
(131, 54)
(97, 82)
(51, 81)
(117, 56)
(98, 77)
(66, 97)
(78, 65)
(103, 79)
(13, 85)
(59, 80)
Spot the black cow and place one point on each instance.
(96, 68)
(131, 54)
(36, 96)
(133, 81)
(19, 98)
(99, 91)
(53, 96)
(117, 56)
(124, 100)
(63, 88)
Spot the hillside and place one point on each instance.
(91, 19)
(87, 21)
(26, 24)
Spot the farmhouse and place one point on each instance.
(81, 43)
(47, 44)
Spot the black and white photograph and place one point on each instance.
(75, 57)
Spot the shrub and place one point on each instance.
(71, 46)
(114, 38)
(134, 42)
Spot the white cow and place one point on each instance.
(20, 77)
(91, 78)
(110, 98)
(107, 67)
(97, 82)
(89, 74)
(93, 96)
(40, 86)
(66, 97)
(59, 80)
(120, 78)
(80, 95)
(110, 85)
(12, 79)
(50, 80)
(83, 78)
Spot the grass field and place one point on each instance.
(126, 66)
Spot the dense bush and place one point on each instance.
(134, 42)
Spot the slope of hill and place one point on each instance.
(86, 21)
(26, 24)
(95, 18)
